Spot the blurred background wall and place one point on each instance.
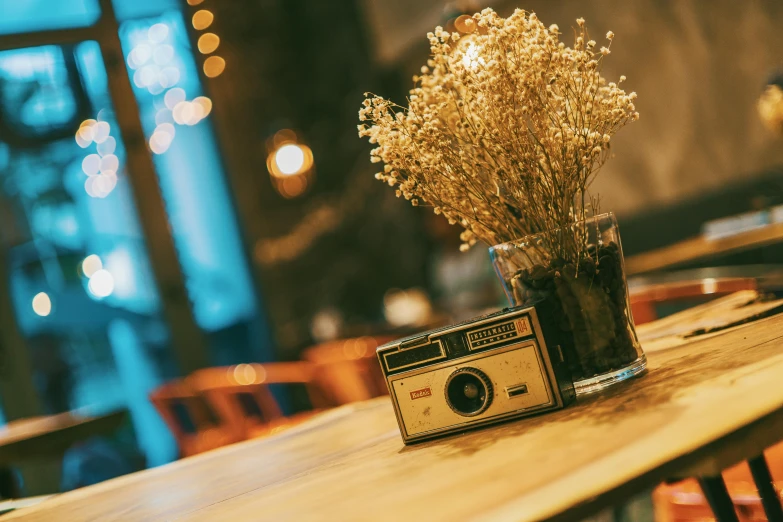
(698, 68)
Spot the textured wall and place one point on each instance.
(698, 67)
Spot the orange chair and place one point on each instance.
(242, 395)
(644, 299)
(192, 421)
(348, 370)
(683, 501)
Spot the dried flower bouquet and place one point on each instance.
(503, 134)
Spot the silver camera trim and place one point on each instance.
(537, 341)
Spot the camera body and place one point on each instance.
(488, 369)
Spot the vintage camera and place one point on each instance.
(488, 369)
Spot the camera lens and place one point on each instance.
(468, 391)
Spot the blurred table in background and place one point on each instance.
(699, 248)
(48, 436)
(709, 400)
(663, 293)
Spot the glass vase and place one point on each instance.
(580, 270)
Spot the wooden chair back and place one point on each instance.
(348, 370)
(243, 397)
(684, 501)
(196, 426)
(646, 299)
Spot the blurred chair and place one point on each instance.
(648, 299)
(194, 424)
(684, 501)
(348, 370)
(243, 397)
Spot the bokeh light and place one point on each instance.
(160, 141)
(246, 374)
(202, 19)
(91, 264)
(183, 112)
(91, 164)
(107, 147)
(86, 133)
(205, 104)
(292, 186)
(101, 131)
(100, 185)
(173, 97)
(152, 61)
(290, 158)
(207, 43)
(110, 162)
(406, 307)
(42, 304)
(158, 32)
(101, 284)
(214, 66)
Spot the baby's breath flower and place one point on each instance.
(457, 146)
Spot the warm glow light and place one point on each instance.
(202, 19)
(246, 374)
(290, 159)
(42, 305)
(205, 103)
(207, 43)
(81, 141)
(101, 185)
(101, 131)
(160, 141)
(194, 2)
(213, 66)
(465, 24)
(292, 186)
(709, 286)
(110, 163)
(86, 133)
(105, 183)
(166, 128)
(197, 113)
(406, 307)
(183, 112)
(91, 264)
(101, 284)
(471, 59)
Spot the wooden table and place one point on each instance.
(704, 405)
(48, 436)
(699, 247)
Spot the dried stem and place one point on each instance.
(504, 131)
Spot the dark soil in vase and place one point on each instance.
(588, 301)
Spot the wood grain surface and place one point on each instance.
(52, 434)
(697, 248)
(703, 406)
